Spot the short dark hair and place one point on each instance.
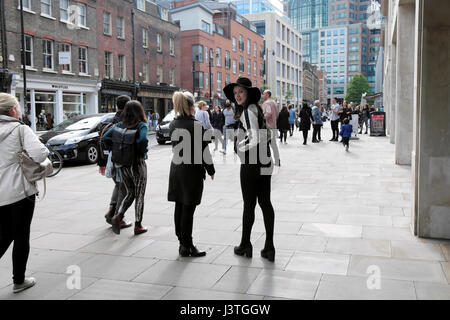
(121, 101)
(346, 121)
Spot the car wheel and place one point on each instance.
(161, 141)
(92, 154)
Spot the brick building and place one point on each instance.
(156, 53)
(222, 46)
(60, 58)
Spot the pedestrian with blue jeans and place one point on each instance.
(229, 124)
(292, 117)
(346, 133)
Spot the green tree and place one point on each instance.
(288, 95)
(356, 88)
(264, 87)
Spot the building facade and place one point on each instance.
(60, 59)
(257, 6)
(151, 73)
(322, 77)
(417, 105)
(283, 56)
(310, 83)
(220, 46)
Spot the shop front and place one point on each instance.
(111, 90)
(53, 100)
(156, 98)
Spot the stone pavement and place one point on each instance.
(338, 216)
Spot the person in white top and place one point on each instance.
(255, 181)
(17, 194)
(335, 120)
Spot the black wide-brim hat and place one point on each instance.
(253, 93)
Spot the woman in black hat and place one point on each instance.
(256, 166)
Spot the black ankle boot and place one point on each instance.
(268, 254)
(244, 250)
(190, 251)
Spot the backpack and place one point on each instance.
(124, 146)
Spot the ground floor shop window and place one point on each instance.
(74, 104)
(45, 110)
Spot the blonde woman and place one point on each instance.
(190, 162)
(17, 195)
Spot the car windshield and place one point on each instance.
(77, 124)
(169, 117)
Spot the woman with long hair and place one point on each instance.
(256, 175)
(190, 162)
(129, 152)
(283, 123)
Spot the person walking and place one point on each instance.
(255, 178)
(202, 115)
(17, 194)
(228, 114)
(346, 132)
(186, 176)
(155, 119)
(270, 109)
(365, 115)
(335, 116)
(292, 117)
(129, 152)
(305, 121)
(119, 189)
(283, 123)
(217, 122)
(317, 121)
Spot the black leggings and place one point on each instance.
(15, 225)
(291, 129)
(316, 132)
(184, 220)
(256, 187)
(305, 135)
(335, 128)
(283, 135)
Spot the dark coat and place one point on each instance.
(218, 120)
(283, 120)
(186, 178)
(305, 118)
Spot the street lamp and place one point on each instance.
(210, 77)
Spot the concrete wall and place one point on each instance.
(191, 19)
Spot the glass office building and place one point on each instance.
(256, 6)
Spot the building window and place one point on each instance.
(219, 81)
(218, 57)
(249, 46)
(241, 64)
(47, 54)
(241, 43)
(278, 29)
(120, 28)
(26, 4)
(82, 12)
(159, 74)
(64, 10)
(278, 69)
(144, 38)
(158, 43)
(198, 76)
(278, 50)
(122, 67)
(206, 54)
(234, 44)
(107, 23)
(145, 72)
(109, 65)
(172, 46)
(172, 77)
(255, 48)
(227, 59)
(65, 47)
(140, 4)
(249, 66)
(197, 52)
(83, 60)
(353, 68)
(227, 79)
(46, 7)
(255, 68)
(206, 27)
(234, 66)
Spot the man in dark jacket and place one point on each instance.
(118, 191)
(305, 121)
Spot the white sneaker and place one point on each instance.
(28, 283)
(346, 148)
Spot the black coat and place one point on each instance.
(218, 120)
(305, 118)
(283, 120)
(186, 178)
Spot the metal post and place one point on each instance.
(193, 76)
(133, 55)
(210, 81)
(27, 111)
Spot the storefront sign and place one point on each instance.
(59, 86)
(378, 124)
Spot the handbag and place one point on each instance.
(33, 171)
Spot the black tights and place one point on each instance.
(305, 135)
(184, 220)
(15, 225)
(283, 135)
(256, 187)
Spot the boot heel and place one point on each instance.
(244, 251)
(268, 254)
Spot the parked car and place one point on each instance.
(77, 138)
(162, 129)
